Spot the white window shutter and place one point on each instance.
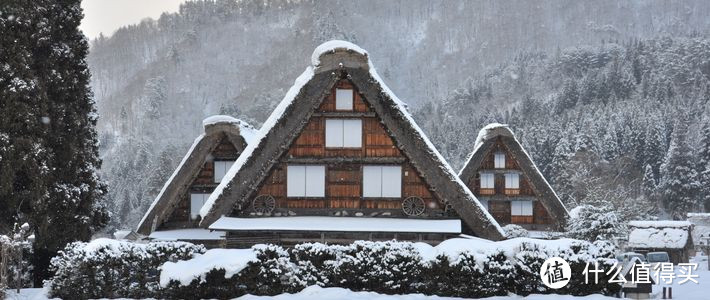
(315, 181)
(526, 208)
(334, 133)
(515, 209)
(512, 181)
(499, 160)
(196, 202)
(296, 181)
(487, 180)
(343, 99)
(392, 181)
(372, 181)
(352, 133)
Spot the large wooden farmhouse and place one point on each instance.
(174, 214)
(507, 182)
(340, 159)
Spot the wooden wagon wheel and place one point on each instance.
(413, 206)
(263, 204)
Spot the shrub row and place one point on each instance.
(383, 267)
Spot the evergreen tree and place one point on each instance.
(704, 165)
(648, 185)
(678, 184)
(52, 126)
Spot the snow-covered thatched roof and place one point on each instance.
(486, 140)
(330, 62)
(659, 234)
(238, 132)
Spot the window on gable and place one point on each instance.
(196, 202)
(521, 208)
(343, 99)
(343, 133)
(382, 181)
(305, 181)
(512, 181)
(487, 181)
(499, 162)
(484, 202)
(220, 169)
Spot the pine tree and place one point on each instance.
(704, 165)
(678, 184)
(648, 185)
(59, 186)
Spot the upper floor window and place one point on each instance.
(487, 181)
(343, 133)
(512, 181)
(382, 181)
(305, 181)
(220, 169)
(343, 99)
(196, 202)
(499, 162)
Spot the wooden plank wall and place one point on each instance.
(344, 179)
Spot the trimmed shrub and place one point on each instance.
(472, 271)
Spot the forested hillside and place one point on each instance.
(155, 81)
(625, 125)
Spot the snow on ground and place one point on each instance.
(321, 223)
(319, 293)
(231, 260)
(688, 290)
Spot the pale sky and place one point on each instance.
(108, 15)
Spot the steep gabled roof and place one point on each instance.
(330, 61)
(238, 132)
(486, 139)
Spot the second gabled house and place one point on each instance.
(506, 181)
(174, 214)
(340, 159)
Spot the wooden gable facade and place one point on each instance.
(343, 151)
(505, 179)
(344, 169)
(198, 174)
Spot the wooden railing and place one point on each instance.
(483, 191)
(512, 192)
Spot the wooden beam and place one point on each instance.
(345, 114)
(345, 160)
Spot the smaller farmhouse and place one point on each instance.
(701, 227)
(672, 237)
(505, 179)
(174, 214)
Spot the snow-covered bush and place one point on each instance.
(113, 268)
(515, 231)
(467, 268)
(591, 223)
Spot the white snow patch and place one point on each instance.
(669, 237)
(185, 271)
(660, 224)
(245, 130)
(319, 223)
(187, 234)
(332, 46)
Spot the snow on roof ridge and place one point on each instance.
(333, 46)
(660, 224)
(245, 129)
(275, 116)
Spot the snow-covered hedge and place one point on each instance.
(110, 268)
(458, 267)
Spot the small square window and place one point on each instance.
(521, 208)
(305, 181)
(196, 202)
(220, 169)
(343, 99)
(512, 181)
(343, 133)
